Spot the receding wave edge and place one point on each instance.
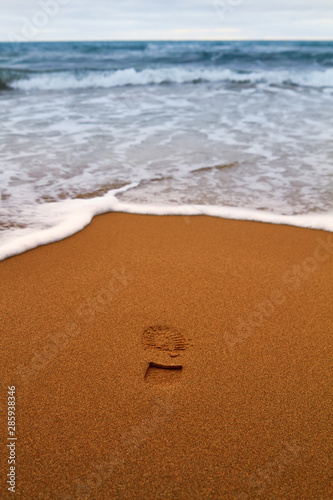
(83, 211)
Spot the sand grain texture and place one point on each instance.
(247, 416)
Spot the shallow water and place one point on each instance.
(239, 129)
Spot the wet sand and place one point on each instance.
(171, 357)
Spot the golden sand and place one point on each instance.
(170, 358)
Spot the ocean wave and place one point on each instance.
(174, 75)
(4, 85)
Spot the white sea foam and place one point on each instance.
(168, 139)
(248, 136)
(71, 216)
(130, 76)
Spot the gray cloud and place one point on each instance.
(181, 19)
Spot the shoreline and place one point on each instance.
(83, 213)
(240, 313)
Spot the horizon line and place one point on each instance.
(178, 40)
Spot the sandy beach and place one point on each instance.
(170, 358)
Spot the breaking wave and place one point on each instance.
(62, 80)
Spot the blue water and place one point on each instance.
(24, 61)
(231, 127)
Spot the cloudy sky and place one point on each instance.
(33, 20)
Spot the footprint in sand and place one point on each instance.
(165, 345)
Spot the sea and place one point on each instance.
(240, 130)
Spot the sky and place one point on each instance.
(37, 20)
